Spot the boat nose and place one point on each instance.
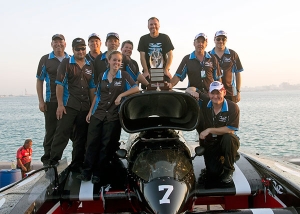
(165, 195)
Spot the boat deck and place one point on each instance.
(247, 182)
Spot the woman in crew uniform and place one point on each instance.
(105, 128)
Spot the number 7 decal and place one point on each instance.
(165, 199)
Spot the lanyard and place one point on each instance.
(202, 63)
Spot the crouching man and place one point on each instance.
(221, 120)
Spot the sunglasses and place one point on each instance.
(223, 39)
(80, 49)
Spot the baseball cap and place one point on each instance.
(94, 35)
(59, 36)
(78, 41)
(201, 35)
(112, 34)
(215, 85)
(221, 33)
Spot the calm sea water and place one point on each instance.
(268, 125)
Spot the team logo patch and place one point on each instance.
(118, 83)
(223, 119)
(88, 72)
(227, 59)
(208, 64)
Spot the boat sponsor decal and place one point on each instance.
(86, 191)
(277, 187)
(242, 186)
(273, 189)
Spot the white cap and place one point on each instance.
(201, 35)
(94, 35)
(221, 33)
(215, 85)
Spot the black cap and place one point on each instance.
(112, 34)
(59, 36)
(77, 42)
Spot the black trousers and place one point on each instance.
(50, 127)
(74, 121)
(102, 143)
(220, 155)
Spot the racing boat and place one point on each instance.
(157, 171)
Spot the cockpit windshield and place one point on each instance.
(152, 164)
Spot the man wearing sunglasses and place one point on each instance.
(46, 71)
(231, 66)
(75, 91)
(220, 121)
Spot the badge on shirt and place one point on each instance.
(88, 72)
(222, 119)
(227, 59)
(203, 74)
(118, 83)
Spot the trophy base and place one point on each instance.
(158, 86)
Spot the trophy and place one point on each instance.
(157, 80)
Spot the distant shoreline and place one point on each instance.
(245, 89)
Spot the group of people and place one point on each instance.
(82, 89)
(83, 92)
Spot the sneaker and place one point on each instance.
(83, 177)
(226, 177)
(95, 179)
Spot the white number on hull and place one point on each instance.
(165, 199)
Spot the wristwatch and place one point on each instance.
(238, 90)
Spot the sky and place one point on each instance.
(263, 33)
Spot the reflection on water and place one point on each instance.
(268, 124)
